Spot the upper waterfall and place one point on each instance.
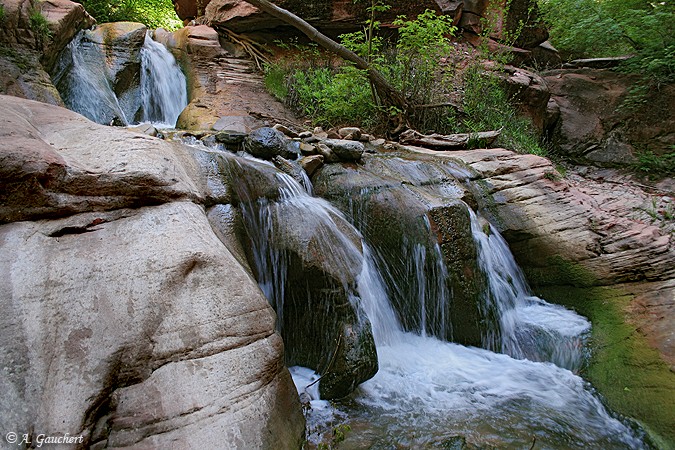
(116, 74)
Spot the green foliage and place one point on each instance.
(656, 166)
(486, 106)
(152, 13)
(2, 13)
(596, 28)
(39, 24)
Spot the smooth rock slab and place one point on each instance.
(145, 325)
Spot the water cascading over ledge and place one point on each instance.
(427, 391)
(116, 74)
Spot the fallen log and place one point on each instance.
(459, 141)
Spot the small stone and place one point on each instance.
(307, 149)
(311, 163)
(267, 143)
(230, 137)
(318, 130)
(377, 142)
(305, 135)
(144, 128)
(209, 140)
(351, 133)
(287, 131)
(366, 137)
(345, 150)
(333, 134)
(327, 153)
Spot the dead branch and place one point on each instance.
(448, 141)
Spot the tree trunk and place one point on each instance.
(388, 95)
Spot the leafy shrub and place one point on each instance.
(656, 166)
(152, 13)
(592, 28)
(2, 13)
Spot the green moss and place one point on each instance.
(627, 372)
(559, 271)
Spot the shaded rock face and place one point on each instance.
(332, 17)
(521, 16)
(597, 127)
(27, 56)
(411, 211)
(127, 319)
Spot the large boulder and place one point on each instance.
(307, 258)
(127, 320)
(602, 123)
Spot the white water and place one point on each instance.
(427, 390)
(83, 79)
(530, 328)
(163, 85)
(80, 77)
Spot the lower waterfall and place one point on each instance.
(431, 393)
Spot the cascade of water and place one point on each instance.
(530, 327)
(86, 81)
(80, 76)
(428, 391)
(163, 85)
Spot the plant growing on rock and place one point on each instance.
(39, 24)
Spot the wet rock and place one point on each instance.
(328, 155)
(307, 149)
(144, 128)
(345, 150)
(230, 137)
(305, 135)
(266, 143)
(410, 211)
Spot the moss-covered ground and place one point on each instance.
(629, 374)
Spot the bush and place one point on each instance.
(2, 13)
(152, 13)
(591, 28)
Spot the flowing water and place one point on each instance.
(163, 85)
(85, 78)
(430, 392)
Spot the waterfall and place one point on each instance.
(114, 85)
(163, 85)
(81, 79)
(429, 391)
(530, 328)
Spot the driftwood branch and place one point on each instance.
(448, 141)
(251, 47)
(387, 94)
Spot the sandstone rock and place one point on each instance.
(530, 93)
(331, 16)
(307, 149)
(345, 150)
(521, 17)
(25, 54)
(96, 346)
(144, 128)
(311, 163)
(266, 143)
(225, 90)
(285, 130)
(45, 172)
(131, 355)
(413, 208)
(595, 128)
